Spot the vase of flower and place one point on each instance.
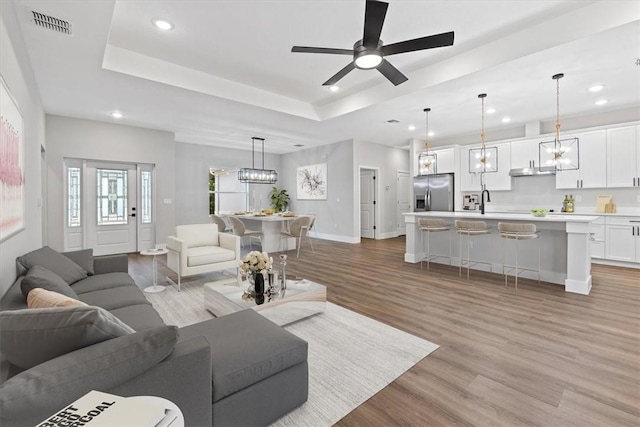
(254, 266)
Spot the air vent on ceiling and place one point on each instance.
(393, 121)
(51, 23)
(298, 145)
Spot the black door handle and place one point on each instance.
(132, 215)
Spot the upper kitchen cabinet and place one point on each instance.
(524, 154)
(623, 157)
(593, 171)
(446, 160)
(495, 181)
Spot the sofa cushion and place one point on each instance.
(32, 336)
(84, 258)
(40, 277)
(273, 349)
(139, 317)
(102, 281)
(113, 298)
(54, 261)
(44, 389)
(196, 235)
(42, 298)
(204, 255)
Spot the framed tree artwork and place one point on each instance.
(12, 201)
(312, 182)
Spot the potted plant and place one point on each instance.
(279, 199)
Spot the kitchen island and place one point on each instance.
(565, 249)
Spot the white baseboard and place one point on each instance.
(335, 237)
(389, 235)
(615, 263)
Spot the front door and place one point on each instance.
(367, 203)
(403, 185)
(111, 207)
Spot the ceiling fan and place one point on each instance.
(369, 52)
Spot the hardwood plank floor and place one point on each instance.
(535, 356)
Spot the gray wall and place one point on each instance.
(335, 215)
(389, 160)
(86, 139)
(192, 178)
(18, 76)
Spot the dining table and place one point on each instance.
(270, 226)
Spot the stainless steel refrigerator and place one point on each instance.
(433, 192)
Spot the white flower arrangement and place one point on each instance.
(255, 262)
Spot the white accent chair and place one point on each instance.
(200, 248)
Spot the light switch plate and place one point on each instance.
(168, 201)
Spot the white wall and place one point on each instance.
(18, 76)
(335, 215)
(192, 178)
(389, 161)
(87, 139)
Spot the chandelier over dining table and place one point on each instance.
(257, 176)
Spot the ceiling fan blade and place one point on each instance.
(374, 14)
(340, 74)
(392, 73)
(428, 42)
(306, 49)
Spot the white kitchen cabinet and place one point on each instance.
(622, 238)
(593, 169)
(446, 160)
(524, 154)
(623, 157)
(501, 180)
(597, 238)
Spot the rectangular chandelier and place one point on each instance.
(483, 160)
(257, 176)
(560, 154)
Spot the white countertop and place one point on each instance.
(506, 216)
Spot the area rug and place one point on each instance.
(351, 357)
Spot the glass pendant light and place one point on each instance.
(427, 160)
(559, 154)
(257, 176)
(483, 159)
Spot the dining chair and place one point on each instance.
(239, 229)
(298, 228)
(222, 224)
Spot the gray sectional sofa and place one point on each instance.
(236, 370)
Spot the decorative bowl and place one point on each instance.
(539, 212)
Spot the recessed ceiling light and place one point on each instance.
(116, 115)
(412, 127)
(601, 101)
(162, 24)
(596, 88)
(334, 88)
(506, 119)
(431, 133)
(491, 110)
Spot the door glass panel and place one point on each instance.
(73, 201)
(146, 197)
(112, 196)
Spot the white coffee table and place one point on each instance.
(154, 252)
(302, 298)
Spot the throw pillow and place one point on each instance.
(54, 261)
(42, 298)
(32, 336)
(40, 277)
(31, 396)
(84, 258)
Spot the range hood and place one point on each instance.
(545, 170)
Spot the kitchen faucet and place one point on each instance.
(482, 197)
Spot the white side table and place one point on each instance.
(154, 252)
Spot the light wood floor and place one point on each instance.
(535, 356)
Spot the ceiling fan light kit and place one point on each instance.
(369, 53)
(257, 176)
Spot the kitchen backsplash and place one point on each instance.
(540, 192)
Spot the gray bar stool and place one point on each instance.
(428, 226)
(517, 231)
(470, 229)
